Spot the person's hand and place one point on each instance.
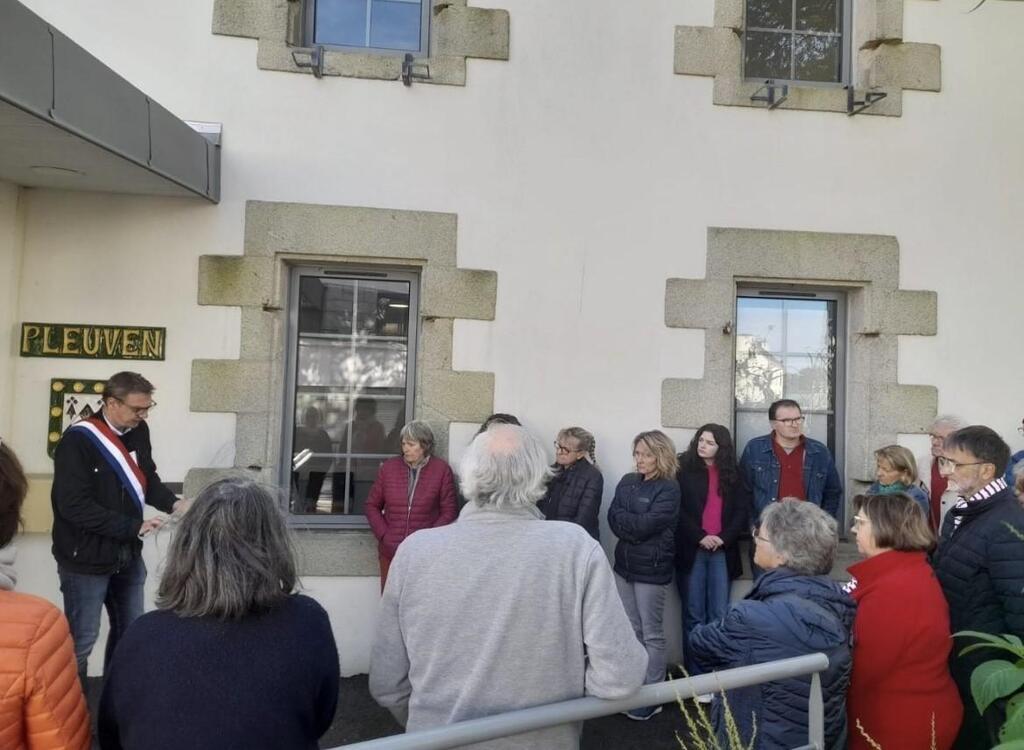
(717, 540)
(708, 543)
(181, 507)
(149, 525)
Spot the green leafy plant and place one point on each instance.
(1000, 678)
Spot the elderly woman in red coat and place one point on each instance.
(413, 491)
(901, 681)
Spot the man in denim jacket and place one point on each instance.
(786, 463)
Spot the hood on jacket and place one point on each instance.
(808, 607)
(8, 578)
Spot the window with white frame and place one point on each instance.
(802, 42)
(395, 26)
(350, 385)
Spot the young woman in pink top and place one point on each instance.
(712, 515)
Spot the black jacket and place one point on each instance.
(736, 501)
(643, 516)
(265, 682)
(95, 520)
(981, 569)
(574, 494)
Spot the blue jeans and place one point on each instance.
(85, 595)
(707, 597)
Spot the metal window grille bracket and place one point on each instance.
(853, 106)
(312, 58)
(412, 70)
(774, 95)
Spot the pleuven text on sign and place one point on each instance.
(92, 341)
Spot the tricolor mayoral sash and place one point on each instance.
(115, 454)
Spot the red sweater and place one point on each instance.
(901, 644)
(393, 517)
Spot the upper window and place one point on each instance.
(371, 25)
(797, 41)
(351, 355)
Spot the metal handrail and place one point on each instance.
(578, 709)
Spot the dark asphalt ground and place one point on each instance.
(360, 718)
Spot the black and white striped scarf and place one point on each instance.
(990, 489)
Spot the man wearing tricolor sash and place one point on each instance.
(103, 475)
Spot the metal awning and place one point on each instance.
(68, 121)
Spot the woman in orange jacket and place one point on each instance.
(41, 702)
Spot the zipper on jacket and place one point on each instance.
(412, 492)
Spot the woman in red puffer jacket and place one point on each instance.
(413, 491)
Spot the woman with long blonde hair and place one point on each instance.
(643, 516)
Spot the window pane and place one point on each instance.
(769, 14)
(807, 382)
(817, 58)
(767, 55)
(759, 375)
(817, 426)
(750, 424)
(761, 319)
(818, 15)
(807, 327)
(395, 25)
(341, 22)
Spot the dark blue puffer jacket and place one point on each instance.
(785, 615)
(643, 516)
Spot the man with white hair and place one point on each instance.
(940, 496)
(501, 610)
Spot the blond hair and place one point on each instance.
(901, 459)
(664, 450)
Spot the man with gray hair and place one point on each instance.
(940, 496)
(468, 629)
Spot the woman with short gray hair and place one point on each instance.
(793, 609)
(233, 657)
(413, 491)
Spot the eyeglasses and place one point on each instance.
(137, 410)
(793, 422)
(949, 463)
(859, 521)
(560, 449)
(756, 533)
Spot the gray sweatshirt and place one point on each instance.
(492, 614)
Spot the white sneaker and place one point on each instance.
(705, 698)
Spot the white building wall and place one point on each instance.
(584, 172)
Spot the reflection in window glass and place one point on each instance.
(769, 14)
(371, 24)
(352, 385)
(395, 25)
(818, 15)
(782, 45)
(785, 348)
(341, 22)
